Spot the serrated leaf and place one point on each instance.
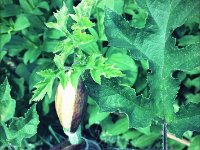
(111, 97)
(63, 77)
(98, 67)
(61, 18)
(65, 45)
(81, 38)
(82, 24)
(59, 61)
(20, 128)
(83, 9)
(188, 118)
(44, 86)
(7, 104)
(156, 44)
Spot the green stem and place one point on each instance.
(164, 135)
(53, 134)
(74, 138)
(99, 30)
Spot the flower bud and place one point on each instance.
(70, 105)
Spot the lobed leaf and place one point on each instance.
(155, 43)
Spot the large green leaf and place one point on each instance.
(188, 118)
(20, 128)
(7, 104)
(155, 43)
(111, 97)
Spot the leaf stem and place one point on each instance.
(164, 135)
(74, 138)
(182, 141)
(99, 30)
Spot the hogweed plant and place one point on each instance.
(80, 43)
(84, 65)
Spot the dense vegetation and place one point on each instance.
(139, 62)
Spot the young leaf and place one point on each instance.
(81, 38)
(83, 9)
(110, 97)
(97, 66)
(62, 18)
(102, 68)
(65, 45)
(20, 128)
(63, 77)
(44, 86)
(156, 44)
(82, 24)
(7, 104)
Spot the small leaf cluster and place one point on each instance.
(77, 37)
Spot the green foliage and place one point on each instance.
(20, 128)
(44, 86)
(7, 104)
(111, 96)
(17, 129)
(61, 17)
(195, 143)
(67, 47)
(155, 44)
(140, 69)
(138, 15)
(186, 119)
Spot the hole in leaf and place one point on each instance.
(128, 17)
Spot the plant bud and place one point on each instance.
(70, 105)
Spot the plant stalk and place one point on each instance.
(74, 138)
(164, 135)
